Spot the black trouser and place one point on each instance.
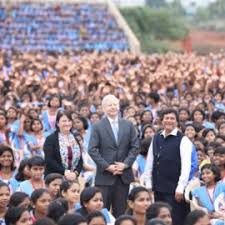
(115, 196)
(179, 210)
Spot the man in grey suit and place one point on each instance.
(113, 146)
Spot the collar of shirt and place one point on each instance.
(173, 132)
(112, 120)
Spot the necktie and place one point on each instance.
(115, 130)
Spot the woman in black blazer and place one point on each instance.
(62, 150)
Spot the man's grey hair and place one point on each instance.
(108, 98)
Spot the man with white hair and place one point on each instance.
(113, 146)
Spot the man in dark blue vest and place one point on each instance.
(168, 166)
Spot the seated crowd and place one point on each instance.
(59, 27)
(44, 96)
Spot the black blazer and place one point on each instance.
(104, 150)
(52, 156)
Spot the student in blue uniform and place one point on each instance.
(37, 166)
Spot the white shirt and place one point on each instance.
(116, 121)
(185, 155)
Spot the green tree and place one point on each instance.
(217, 9)
(156, 3)
(156, 26)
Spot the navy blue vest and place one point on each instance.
(166, 162)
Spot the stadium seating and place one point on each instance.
(47, 27)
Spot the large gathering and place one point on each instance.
(94, 134)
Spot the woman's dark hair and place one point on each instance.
(142, 114)
(198, 110)
(186, 110)
(17, 198)
(45, 221)
(87, 194)
(34, 120)
(168, 111)
(219, 93)
(13, 214)
(3, 184)
(219, 136)
(220, 124)
(156, 221)
(93, 215)
(202, 105)
(217, 115)
(83, 121)
(3, 114)
(94, 113)
(206, 131)
(220, 150)
(155, 96)
(57, 208)
(122, 218)
(145, 127)
(66, 184)
(7, 148)
(193, 217)
(29, 113)
(55, 96)
(51, 177)
(72, 219)
(133, 195)
(201, 140)
(189, 125)
(154, 209)
(36, 161)
(144, 146)
(135, 192)
(28, 94)
(14, 108)
(20, 174)
(213, 145)
(82, 104)
(60, 114)
(214, 169)
(36, 194)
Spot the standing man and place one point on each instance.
(168, 166)
(113, 146)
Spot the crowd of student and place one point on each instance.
(36, 88)
(59, 201)
(59, 27)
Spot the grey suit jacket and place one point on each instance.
(105, 151)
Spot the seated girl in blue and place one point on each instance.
(91, 200)
(206, 196)
(31, 137)
(12, 119)
(4, 201)
(7, 168)
(4, 130)
(138, 166)
(8, 133)
(49, 116)
(37, 138)
(36, 166)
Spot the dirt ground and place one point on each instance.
(208, 38)
(203, 42)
